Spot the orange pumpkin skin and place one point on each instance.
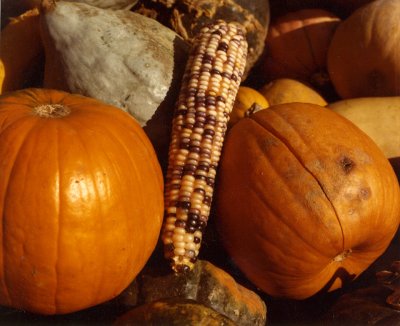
(297, 44)
(81, 201)
(364, 55)
(305, 200)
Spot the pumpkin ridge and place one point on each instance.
(298, 234)
(6, 190)
(144, 141)
(134, 168)
(292, 150)
(109, 134)
(80, 134)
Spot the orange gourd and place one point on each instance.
(81, 201)
(286, 90)
(296, 46)
(248, 100)
(305, 201)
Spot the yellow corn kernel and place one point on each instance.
(210, 85)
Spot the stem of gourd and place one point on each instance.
(255, 107)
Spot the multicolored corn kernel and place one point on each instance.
(209, 87)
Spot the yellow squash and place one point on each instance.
(287, 90)
(378, 117)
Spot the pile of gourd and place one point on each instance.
(306, 195)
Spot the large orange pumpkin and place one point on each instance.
(81, 201)
(364, 55)
(296, 46)
(305, 200)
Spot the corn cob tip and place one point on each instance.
(210, 83)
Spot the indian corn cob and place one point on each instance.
(209, 86)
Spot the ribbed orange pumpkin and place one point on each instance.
(81, 201)
(305, 201)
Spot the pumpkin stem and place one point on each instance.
(342, 256)
(52, 111)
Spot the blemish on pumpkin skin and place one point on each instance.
(346, 164)
(268, 142)
(365, 193)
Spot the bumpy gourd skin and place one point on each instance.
(187, 17)
(81, 201)
(305, 200)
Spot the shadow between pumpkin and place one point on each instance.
(159, 127)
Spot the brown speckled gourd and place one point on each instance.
(207, 284)
(187, 17)
(176, 311)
